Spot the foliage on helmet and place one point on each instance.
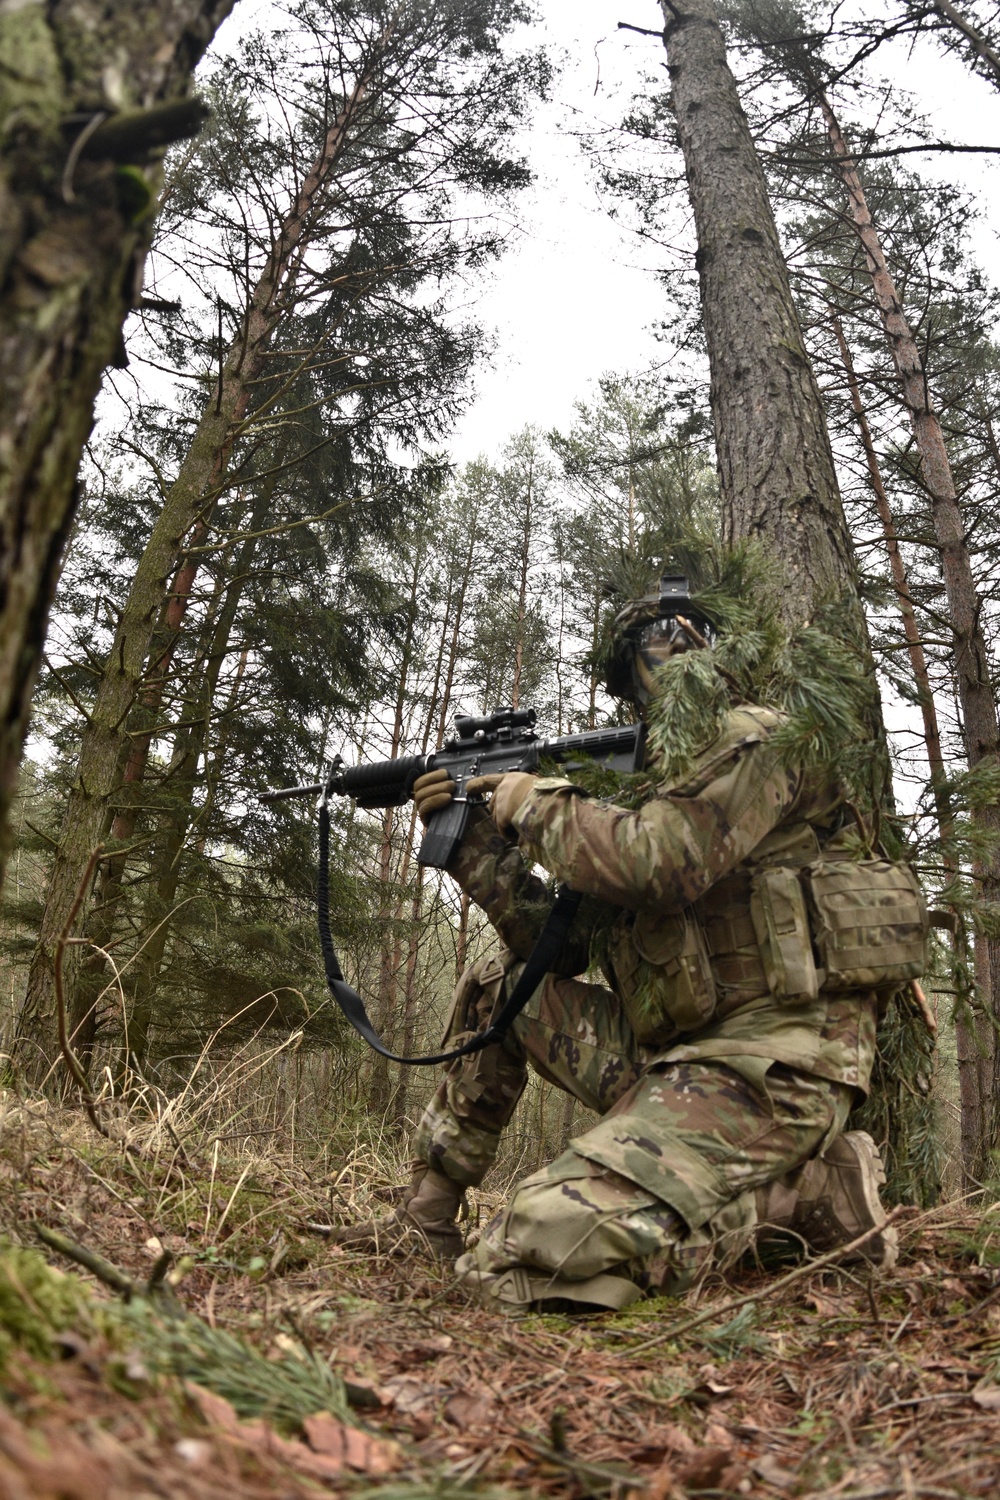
(812, 674)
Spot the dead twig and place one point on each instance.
(91, 1261)
(157, 1287)
(72, 1061)
(735, 1303)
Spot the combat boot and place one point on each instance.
(425, 1220)
(832, 1199)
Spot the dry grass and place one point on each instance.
(855, 1387)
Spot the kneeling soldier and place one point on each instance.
(722, 1061)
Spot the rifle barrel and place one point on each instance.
(312, 790)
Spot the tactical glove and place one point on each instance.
(509, 791)
(432, 791)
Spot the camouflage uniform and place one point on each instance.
(710, 1087)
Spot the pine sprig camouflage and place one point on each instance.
(687, 712)
(818, 679)
(900, 1112)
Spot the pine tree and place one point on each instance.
(90, 92)
(320, 349)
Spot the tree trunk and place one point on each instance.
(385, 1017)
(524, 565)
(972, 1083)
(190, 745)
(981, 729)
(211, 651)
(188, 503)
(445, 666)
(71, 256)
(981, 48)
(775, 462)
(911, 630)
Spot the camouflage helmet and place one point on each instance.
(655, 616)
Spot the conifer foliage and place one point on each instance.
(311, 236)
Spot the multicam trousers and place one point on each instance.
(666, 1180)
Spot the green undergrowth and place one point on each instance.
(284, 1391)
(146, 1342)
(979, 1241)
(37, 1303)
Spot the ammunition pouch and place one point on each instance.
(818, 922)
(870, 923)
(477, 996)
(663, 974)
(781, 925)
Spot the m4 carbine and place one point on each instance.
(504, 741)
(498, 742)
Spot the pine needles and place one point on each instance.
(900, 1112)
(818, 679)
(284, 1391)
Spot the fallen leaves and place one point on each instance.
(896, 1392)
(349, 1447)
(469, 1411)
(331, 1448)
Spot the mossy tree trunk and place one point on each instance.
(90, 92)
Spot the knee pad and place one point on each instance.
(577, 1220)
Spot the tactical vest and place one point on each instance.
(800, 917)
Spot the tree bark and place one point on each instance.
(776, 466)
(980, 725)
(391, 905)
(72, 248)
(172, 829)
(440, 702)
(911, 630)
(971, 1054)
(187, 505)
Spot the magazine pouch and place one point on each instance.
(672, 988)
(781, 926)
(870, 923)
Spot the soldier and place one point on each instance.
(723, 1093)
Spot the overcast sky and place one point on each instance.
(575, 295)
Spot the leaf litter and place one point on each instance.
(326, 1371)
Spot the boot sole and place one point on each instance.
(883, 1248)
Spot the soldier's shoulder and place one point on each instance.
(744, 727)
(752, 720)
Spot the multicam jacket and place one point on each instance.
(669, 914)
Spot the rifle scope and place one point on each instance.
(468, 727)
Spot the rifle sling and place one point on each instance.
(543, 956)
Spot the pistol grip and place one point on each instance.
(445, 832)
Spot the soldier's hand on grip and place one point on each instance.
(509, 791)
(432, 791)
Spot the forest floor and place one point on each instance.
(838, 1383)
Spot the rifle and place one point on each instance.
(502, 741)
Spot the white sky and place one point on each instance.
(575, 294)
